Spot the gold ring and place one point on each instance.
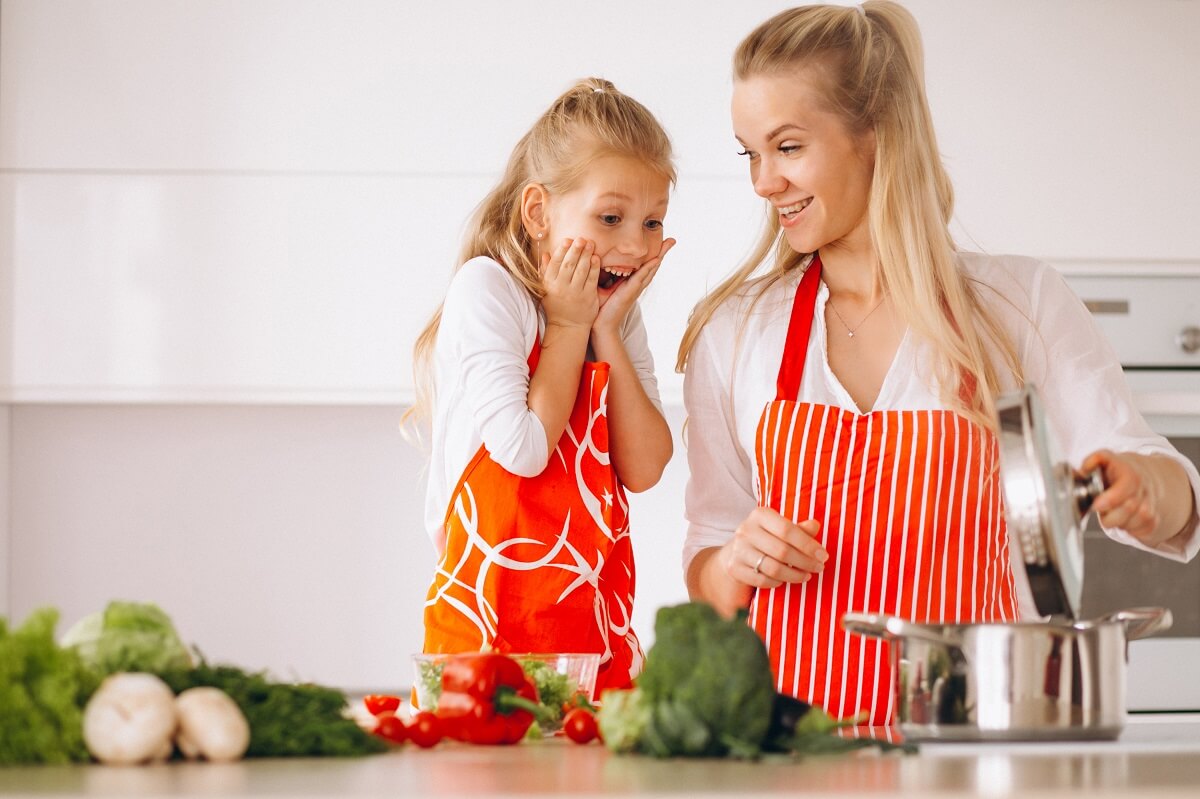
(761, 558)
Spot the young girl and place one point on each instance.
(841, 405)
(545, 405)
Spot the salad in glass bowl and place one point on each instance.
(558, 676)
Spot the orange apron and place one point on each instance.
(910, 513)
(542, 564)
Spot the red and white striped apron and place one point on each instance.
(543, 563)
(910, 513)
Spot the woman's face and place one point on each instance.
(619, 205)
(804, 161)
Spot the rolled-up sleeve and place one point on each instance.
(1088, 401)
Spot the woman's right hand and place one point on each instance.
(569, 277)
(768, 550)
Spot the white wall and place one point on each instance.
(222, 223)
(6, 562)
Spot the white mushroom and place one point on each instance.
(130, 719)
(211, 725)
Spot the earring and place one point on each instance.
(539, 250)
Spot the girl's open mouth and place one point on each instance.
(610, 278)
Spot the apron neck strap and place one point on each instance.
(791, 369)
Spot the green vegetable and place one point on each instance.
(553, 689)
(43, 688)
(707, 690)
(431, 681)
(128, 636)
(286, 719)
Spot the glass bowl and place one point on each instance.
(558, 676)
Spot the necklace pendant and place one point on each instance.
(851, 335)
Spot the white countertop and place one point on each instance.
(1156, 756)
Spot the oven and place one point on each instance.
(1151, 315)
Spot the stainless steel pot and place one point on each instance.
(1057, 680)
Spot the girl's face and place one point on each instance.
(618, 204)
(804, 161)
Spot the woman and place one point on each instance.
(841, 385)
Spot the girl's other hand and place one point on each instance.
(615, 305)
(569, 278)
(767, 550)
(1128, 501)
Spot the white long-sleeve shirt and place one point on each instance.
(733, 367)
(481, 380)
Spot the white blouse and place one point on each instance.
(481, 381)
(733, 367)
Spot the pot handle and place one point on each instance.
(881, 625)
(1142, 622)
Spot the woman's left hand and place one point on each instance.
(615, 306)
(1129, 500)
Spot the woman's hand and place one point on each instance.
(768, 550)
(1134, 497)
(569, 277)
(615, 306)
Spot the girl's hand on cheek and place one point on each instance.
(569, 279)
(615, 306)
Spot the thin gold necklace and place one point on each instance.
(852, 330)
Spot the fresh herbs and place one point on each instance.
(285, 719)
(43, 688)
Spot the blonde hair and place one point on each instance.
(590, 120)
(869, 61)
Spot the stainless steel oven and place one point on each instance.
(1151, 314)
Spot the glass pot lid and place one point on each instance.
(1044, 504)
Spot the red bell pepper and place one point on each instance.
(487, 699)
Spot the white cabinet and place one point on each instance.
(261, 201)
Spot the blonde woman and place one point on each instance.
(544, 402)
(840, 387)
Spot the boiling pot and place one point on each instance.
(1010, 681)
(1057, 679)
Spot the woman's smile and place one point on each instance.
(789, 214)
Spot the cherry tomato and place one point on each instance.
(391, 727)
(425, 730)
(580, 725)
(381, 703)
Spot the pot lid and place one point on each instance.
(1044, 504)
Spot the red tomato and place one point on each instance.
(391, 727)
(425, 730)
(381, 703)
(580, 725)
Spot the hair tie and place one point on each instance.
(599, 90)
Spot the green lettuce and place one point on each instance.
(43, 689)
(128, 636)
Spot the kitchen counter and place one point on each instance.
(1156, 756)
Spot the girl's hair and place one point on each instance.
(590, 120)
(868, 61)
